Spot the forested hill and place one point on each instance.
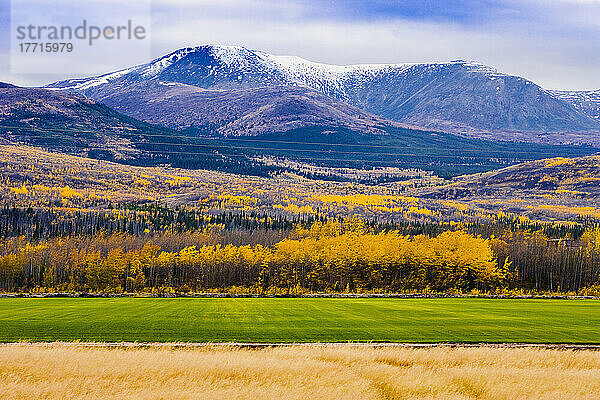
(70, 123)
(556, 176)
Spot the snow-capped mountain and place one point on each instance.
(457, 97)
(226, 67)
(588, 102)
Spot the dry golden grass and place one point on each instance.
(63, 371)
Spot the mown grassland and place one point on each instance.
(70, 371)
(273, 320)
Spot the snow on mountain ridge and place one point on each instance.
(575, 93)
(160, 64)
(327, 78)
(294, 70)
(585, 101)
(149, 70)
(457, 96)
(88, 83)
(291, 70)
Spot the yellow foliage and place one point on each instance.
(68, 193)
(238, 200)
(564, 191)
(420, 211)
(582, 211)
(141, 182)
(19, 190)
(457, 205)
(364, 199)
(178, 180)
(555, 162)
(293, 208)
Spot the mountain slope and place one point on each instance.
(38, 116)
(457, 97)
(237, 111)
(588, 102)
(579, 177)
(70, 123)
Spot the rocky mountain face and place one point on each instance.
(456, 97)
(587, 102)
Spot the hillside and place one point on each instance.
(557, 189)
(579, 176)
(25, 112)
(588, 102)
(547, 190)
(457, 97)
(70, 123)
(237, 112)
(294, 123)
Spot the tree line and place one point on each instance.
(40, 223)
(348, 255)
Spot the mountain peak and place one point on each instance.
(284, 69)
(458, 96)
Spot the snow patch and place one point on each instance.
(287, 70)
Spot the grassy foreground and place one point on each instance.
(341, 372)
(299, 320)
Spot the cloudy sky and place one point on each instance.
(555, 43)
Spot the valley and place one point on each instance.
(228, 170)
(551, 190)
(530, 228)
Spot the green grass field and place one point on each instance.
(300, 320)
